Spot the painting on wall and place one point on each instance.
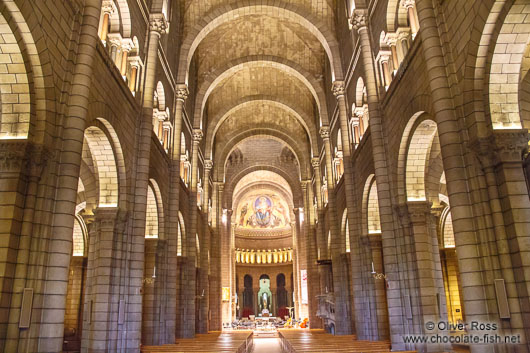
(263, 211)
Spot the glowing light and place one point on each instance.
(502, 126)
(226, 294)
(106, 205)
(419, 198)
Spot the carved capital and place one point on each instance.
(510, 145)
(182, 92)
(158, 23)
(114, 39)
(391, 39)
(12, 155)
(359, 19)
(107, 7)
(324, 132)
(418, 210)
(135, 61)
(315, 162)
(305, 184)
(197, 135)
(338, 88)
(504, 146)
(208, 164)
(106, 217)
(127, 44)
(408, 3)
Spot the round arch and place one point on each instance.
(278, 63)
(280, 9)
(293, 183)
(218, 120)
(222, 156)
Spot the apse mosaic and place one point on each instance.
(263, 212)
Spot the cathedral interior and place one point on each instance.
(210, 175)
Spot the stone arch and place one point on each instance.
(446, 227)
(509, 63)
(14, 88)
(298, 151)
(402, 156)
(478, 65)
(79, 237)
(259, 7)
(418, 152)
(346, 231)
(218, 119)
(151, 216)
(35, 59)
(278, 63)
(112, 137)
(160, 96)
(233, 201)
(104, 165)
(294, 184)
(360, 92)
(180, 232)
(373, 218)
(371, 221)
(125, 18)
(396, 15)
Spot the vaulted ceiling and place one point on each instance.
(259, 69)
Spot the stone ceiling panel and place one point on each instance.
(256, 80)
(260, 35)
(194, 10)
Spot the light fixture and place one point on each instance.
(376, 275)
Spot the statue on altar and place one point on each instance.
(264, 296)
(264, 302)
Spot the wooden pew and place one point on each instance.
(312, 341)
(233, 342)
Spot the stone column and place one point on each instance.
(208, 165)
(411, 14)
(321, 236)
(126, 46)
(114, 40)
(215, 263)
(21, 167)
(431, 294)
(102, 321)
(296, 266)
(500, 156)
(308, 244)
(391, 255)
(107, 9)
(340, 278)
(391, 41)
(380, 327)
(173, 218)
(187, 325)
(150, 308)
(475, 304)
(301, 257)
(59, 248)
(131, 336)
(204, 288)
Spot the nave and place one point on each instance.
(327, 174)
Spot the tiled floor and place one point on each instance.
(267, 345)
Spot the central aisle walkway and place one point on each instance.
(267, 345)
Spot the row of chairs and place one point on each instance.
(308, 341)
(212, 342)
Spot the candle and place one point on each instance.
(154, 272)
(373, 270)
